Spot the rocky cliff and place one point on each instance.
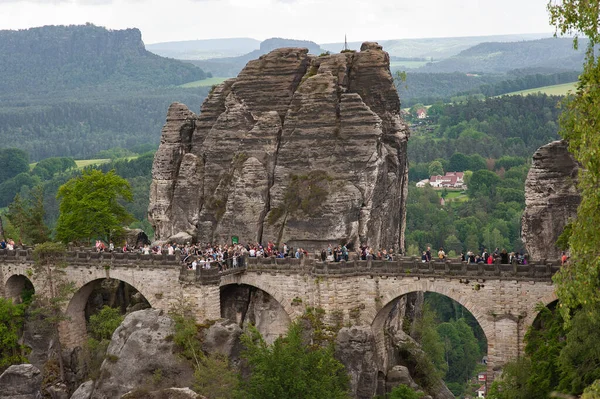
(298, 148)
(551, 199)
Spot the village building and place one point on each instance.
(451, 180)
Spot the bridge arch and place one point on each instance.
(256, 303)
(16, 285)
(281, 296)
(532, 312)
(388, 301)
(73, 331)
(439, 287)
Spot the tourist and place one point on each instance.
(441, 254)
(504, 257)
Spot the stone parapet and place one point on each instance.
(404, 266)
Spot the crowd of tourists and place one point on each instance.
(502, 256)
(7, 244)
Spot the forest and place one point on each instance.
(75, 90)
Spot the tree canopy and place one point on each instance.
(90, 207)
(578, 284)
(291, 369)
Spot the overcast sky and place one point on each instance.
(318, 20)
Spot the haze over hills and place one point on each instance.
(230, 67)
(497, 57)
(204, 49)
(437, 48)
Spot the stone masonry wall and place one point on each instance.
(501, 297)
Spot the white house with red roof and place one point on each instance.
(453, 180)
(481, 391)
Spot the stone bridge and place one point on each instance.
(503, 298)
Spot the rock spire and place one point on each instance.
(299, 149)
(551, 199)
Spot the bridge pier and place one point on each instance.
(505, 343)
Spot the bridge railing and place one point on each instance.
(91, 257)
(403, 266)
(410, 266)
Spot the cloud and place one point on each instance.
(321, 21)
(58, 2)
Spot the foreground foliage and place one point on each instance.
(49, 305)
(101, 327)
(11, 324)
(291, 369)
(558, 358)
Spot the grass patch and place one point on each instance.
(459, 196)
(82, 163)
(204, 82)
(555, 90)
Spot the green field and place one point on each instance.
(82, 163)
(459, 196)
(556, 90)
(203, 83)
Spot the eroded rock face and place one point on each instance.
(551, 199)
(355, 348)
(21, 381)
(138, 349)
(299, 149)
(249, 305)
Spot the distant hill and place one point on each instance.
(230, 67)
(495, 57)
(60, 58)
(76, 90)
(435, 47)
(204, 49)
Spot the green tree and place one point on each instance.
(405, 392)
(483, 182)
(580, 357)
(50, 303)
(90, 207)
(100, 330)
(213, 376)
(426, 334)
(28, 217)
(11, 323)
(453, 244)
(435, 168)
(578, 283)
(459, 162)
(13, 161)
(104, 323)
(513, 384)
(291, 369)
(461, 353)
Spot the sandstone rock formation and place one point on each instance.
(355, 348)
(139, 347)
(21, 381)
(223, 337)
(551, 199)
(248, 305)
(299, 149)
